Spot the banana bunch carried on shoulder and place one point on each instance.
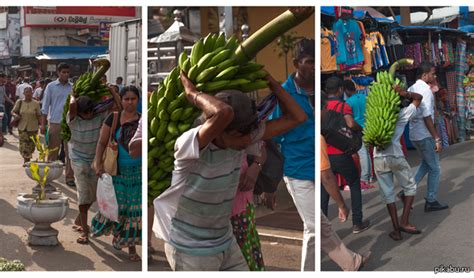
(383, 106)
(88, 84)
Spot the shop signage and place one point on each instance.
(74, 17)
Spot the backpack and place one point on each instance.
(338, 134)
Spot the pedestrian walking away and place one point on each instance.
(390, 162)
(341, 162)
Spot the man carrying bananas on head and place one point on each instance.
(196, 227)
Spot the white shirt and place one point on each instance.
(188, 157)
(395, 148)
(37, 94)
(20, 89)
(418, 129)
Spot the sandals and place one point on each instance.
(134, 257)
(83, 239)
(412, 230)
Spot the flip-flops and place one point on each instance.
(413, 231)
(82, 239)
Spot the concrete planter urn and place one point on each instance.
(55, 171)
(42, 214)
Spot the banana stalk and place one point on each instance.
(398, 64)
(270, 31)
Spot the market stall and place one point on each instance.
(356, 44)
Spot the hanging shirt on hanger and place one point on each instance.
(328, 51)
(348, 36)
(367, 67)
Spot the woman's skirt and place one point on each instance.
(245, 232)
(127, 232)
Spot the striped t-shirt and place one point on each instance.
(84, 137)
(209, 177)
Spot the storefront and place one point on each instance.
(377, 42)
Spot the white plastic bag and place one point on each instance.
(106, 198)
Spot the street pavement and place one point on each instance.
(99, 255)
(446, 237)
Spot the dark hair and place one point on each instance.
(304, 47)
(84, 104)
(120, 77)
(348, 85)
(333, 84)
(62, 66)
(2, 75)
(132, 89)
(41, 82)
(424, 67)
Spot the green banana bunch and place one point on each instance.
(382, 107)
(88, 84)
(212, 67)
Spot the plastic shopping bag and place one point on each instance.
(106, 198)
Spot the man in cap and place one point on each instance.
(196, 227)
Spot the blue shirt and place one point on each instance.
(357, 104)
(297, 145)
(349, 48)
(55, 96)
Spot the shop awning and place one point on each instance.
(423, 29)
(69, 52)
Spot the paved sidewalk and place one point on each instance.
(99, 255)
(446, 237)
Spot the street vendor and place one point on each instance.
(208, 159)
(391, 162)
(85, 128)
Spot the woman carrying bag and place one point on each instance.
(26, 115)
(127, 179)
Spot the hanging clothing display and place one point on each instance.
(451, 86)
(328, 51)
(367, 66)
(414, 52)
(348, 46)
(460, 69)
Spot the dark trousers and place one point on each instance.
(344, 165)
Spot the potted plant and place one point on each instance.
(55, 167)
(42, 208)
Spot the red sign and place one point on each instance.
(74, 17)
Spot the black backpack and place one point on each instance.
(338, 134)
